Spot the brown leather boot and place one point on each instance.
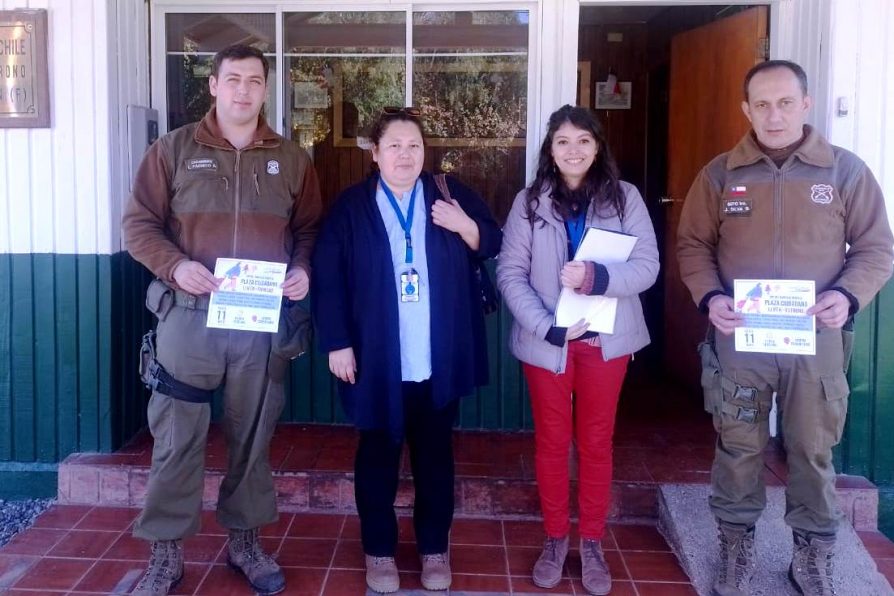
(737, 560)
(548, 568)
(811, 568)
(382, 575)
(165, 569)
(245, 555)
(595, 575)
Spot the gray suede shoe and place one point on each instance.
(595, 575)
(548, 568)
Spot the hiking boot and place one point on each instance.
(595, 574)
(548, 568)
(436, 572)
(381, 574)
(737, 560)
(811, 568)
(245, 555)
(165, 569)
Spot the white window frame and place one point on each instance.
(161, 8)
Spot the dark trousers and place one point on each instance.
(429, 435)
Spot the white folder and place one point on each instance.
(604, 247)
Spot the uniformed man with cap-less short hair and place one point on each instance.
(227, 186)
(782, 204)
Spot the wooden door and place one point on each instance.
(705, 119)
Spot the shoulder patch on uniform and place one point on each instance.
(821, 194)
(273, 167)
(202, 163)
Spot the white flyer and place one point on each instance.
(249, 297)
(776, 319)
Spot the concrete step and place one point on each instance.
(688, 525)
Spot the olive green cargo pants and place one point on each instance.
(812, 402)
(252, 403)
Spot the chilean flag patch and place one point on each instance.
(738, 191)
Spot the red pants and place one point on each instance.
(595, 385)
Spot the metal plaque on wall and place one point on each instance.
(24, 79)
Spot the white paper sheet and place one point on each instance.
(600, 246)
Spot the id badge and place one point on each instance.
(409, 286)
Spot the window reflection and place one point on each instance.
(191, 42)
(469, 71)
(470, 78)
(342, 69)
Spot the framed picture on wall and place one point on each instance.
(613, 99)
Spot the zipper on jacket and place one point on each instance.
(779, 181)
(254, 176)
(238, 205)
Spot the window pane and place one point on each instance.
(213, 32)
(470, 78)
(345, 32)
(342, 68)
(192, 40)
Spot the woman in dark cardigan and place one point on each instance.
(397, 308)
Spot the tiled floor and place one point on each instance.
(84, 550)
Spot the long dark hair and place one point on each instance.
(600, 185)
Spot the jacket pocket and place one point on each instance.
(711, 378)
(835, 386)
(159, 299)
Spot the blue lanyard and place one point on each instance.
(576, 227)
(405, 222)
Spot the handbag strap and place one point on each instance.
(441, 183)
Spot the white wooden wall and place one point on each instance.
(799, 31)
(862, 73)
(60, 187)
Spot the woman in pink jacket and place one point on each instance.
(574, 375)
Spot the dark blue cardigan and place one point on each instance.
(354, 302)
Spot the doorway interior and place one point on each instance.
(665, 83)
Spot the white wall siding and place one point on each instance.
(863, 74)
(799, 31)
(128, 85)
(57, 189)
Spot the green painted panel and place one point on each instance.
(45, 400)
(22, 333)
(66, 315)
(883, 392)
(129, 321)
(866, 448)
(5, 357)
(55, 338)
(89, 333)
